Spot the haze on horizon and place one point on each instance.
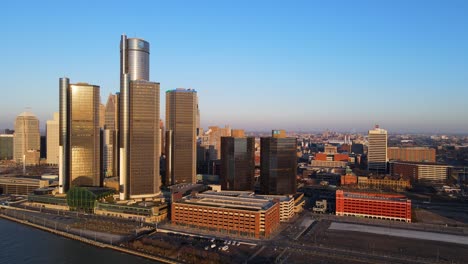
(301, 65)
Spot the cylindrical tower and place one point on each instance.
(64, 84)
(134, 58)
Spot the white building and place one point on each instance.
(52, 134)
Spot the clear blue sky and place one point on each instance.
(258, 65)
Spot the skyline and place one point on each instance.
(305, 66)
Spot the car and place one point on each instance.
(229, 242)
(207, 247)
(213, 245)
(224, 248)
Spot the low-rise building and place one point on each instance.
(373, 205)
(421, 171)
(243, 216)
(386, 183)
(21, 186)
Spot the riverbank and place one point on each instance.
(88, 241)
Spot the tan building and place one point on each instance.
(26, 142)
(79, 156)
(386, 183)
(181, 121)
(52, 135)
(416, 154)
(20, 186)
(377, 150)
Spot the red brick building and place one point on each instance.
(332, 157)
(248, 217)
(349, 179)
(373, 205)
(416, 154)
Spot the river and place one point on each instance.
(24, 244)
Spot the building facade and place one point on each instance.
(27, 139)
(373, 205)
(416, 154)
(80, 141)
(278, 163)
(377, 150)
(6, 146)
(237, 163)
(421, 171)
(181, 145)
(140, 176)
(247, 217)
(52, 134)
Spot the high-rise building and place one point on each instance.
(181, 127)
(79, 156)
(134, 59)
(6, 146)
(278, 164)
(139, 131)
(110, 150)
(52, 134)
(377, 150)
(237, 163)
(140, 140)
(27, 139)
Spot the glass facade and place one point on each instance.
(6, 147)
(181, 119)
(144, 139)
(237, 163)
(278, 165)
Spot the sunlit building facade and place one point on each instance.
(79, 143)
(27, 139)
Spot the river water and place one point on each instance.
(24, 244)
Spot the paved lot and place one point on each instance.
(401, 233)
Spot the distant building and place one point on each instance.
(52, 134)
(421, 171)
(332, 157)
(278, 164)
(386, 183)
(6, 147)
(349, 179)
(237, 163)
(328, 164)
(27, 139)
(110, 144)
(80, 143)
(416, 154)
(357, 148)
(373, 205)
(181, 130)
(330, 149)
(377, 151)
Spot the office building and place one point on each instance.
(110, 149)
(416, 154)
(181, 115)
(211, 140)
(373, 205)
(237, 163)
(391, 183)
(134, 59)
(140, 140)
(421, 171)
(20, 186)
(232, 215)
(52, 135)
(377, 150)
(27, 139)
(278, 163)
(80, 141)
(6, 146)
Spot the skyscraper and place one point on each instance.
(139, 132)
(134, 59)
(27, 139)
(52, 135)
(181, 126)
(237, 163)
(278, 162)
(6, 146)
(141, 141)
(79, 156)
(377, 150)
(110, 149)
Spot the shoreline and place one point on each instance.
(89, 241)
